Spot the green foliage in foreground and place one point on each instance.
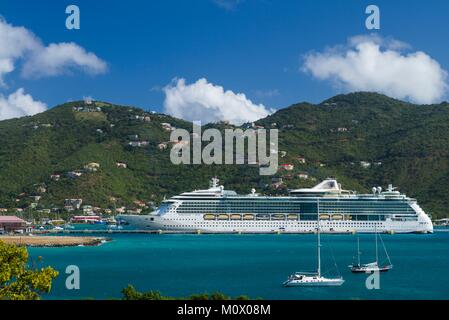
(130, 293)
(17, 280)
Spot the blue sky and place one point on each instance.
(255, 47)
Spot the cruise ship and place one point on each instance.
(216, 210)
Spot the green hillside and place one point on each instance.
(399, 143)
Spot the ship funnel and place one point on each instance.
(379, 189)
(374, 190)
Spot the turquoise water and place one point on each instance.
(254, 265)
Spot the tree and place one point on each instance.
(130, 293)
(17, 280)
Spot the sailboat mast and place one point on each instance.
(358, 250)
(319, 241)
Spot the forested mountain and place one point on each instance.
(362, 139)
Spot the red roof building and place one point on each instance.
(13, 224)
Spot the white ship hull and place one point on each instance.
(195, 223)
(220, 211)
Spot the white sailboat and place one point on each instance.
(373, 266)
(313, 279)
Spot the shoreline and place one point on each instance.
(53, 241)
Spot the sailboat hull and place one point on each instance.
(314, 282)
(362, 269)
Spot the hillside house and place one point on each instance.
(35, 198)
(301, 160)
(55, 177)
(92, 167)
(69, 208)
(137, 117)
(303, 175)
(74, 174)
(134, 211)
(167, 126)
(287, 167)
(75, 203)
(276, 182)
(162, 146)
(140, 204)
(41, 189)
(87, 209)
(255, 126)
(121, 165)
(138, 144)
(365, 164)
(342, 129)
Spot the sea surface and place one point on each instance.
(252, 265)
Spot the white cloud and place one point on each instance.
(58, 58)
(371, 63)
(19, 104)
(18, 43)
(206, 102)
